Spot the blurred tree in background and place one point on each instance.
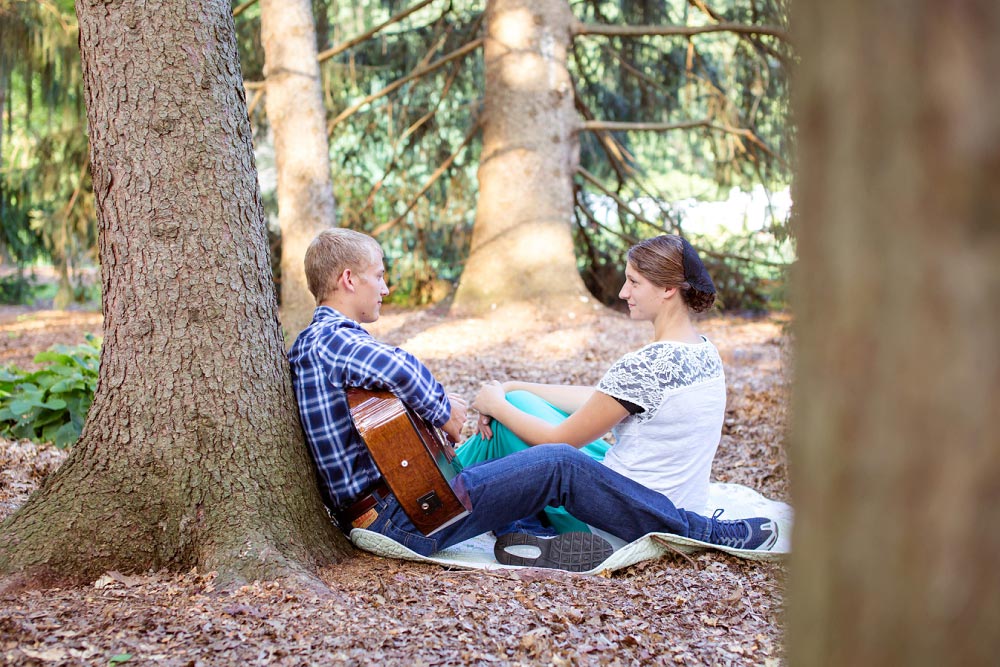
(666, 117)
(46, 199)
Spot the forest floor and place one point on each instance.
(706, 609)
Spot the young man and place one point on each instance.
(345, 272)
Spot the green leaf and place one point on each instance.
(119, 659)
(66, 435)
(23, 405)
(52, 356)
(50, 417)
(10, 375)
(68, 384)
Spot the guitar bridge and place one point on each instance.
(429, 502)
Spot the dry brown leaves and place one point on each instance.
(705, 609)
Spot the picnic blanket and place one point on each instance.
(736, 501)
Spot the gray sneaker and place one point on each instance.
(575, 552)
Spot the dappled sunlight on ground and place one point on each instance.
(705, 609)
(25, 332)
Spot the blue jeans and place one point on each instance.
(505, 442)
(522, 484)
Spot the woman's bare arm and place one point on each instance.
(588, 423)
(566, 397)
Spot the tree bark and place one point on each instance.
(192, 454)
(522, 245)
(295, 111)
(895, 453)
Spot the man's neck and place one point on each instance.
(341, 306)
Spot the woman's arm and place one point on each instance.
(591, 421)
(568, 398)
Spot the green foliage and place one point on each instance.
(750, 271)
(51, 404)
(46, 203)
(383, 156)
(18, 289)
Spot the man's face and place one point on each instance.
(370, 287)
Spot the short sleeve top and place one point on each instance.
(669, 446)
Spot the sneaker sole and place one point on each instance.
(574, 552)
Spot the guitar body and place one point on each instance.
(414, 458)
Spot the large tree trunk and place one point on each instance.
(192, 454)
(522, 245)
(896, 456)
(298, 121)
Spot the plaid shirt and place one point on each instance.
(334, 353)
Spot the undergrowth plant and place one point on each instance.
(50, 404)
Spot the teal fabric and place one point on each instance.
(478, 449)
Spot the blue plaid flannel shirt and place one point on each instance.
(334, 353)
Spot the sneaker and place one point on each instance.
(575, 552)
(757, 534)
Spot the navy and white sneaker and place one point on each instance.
(575, 552)
(756, 534)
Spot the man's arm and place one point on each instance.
(374, 365)
(453, 427)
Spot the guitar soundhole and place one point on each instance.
(429, 502)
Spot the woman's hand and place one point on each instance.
(490, 397)
(483, 426)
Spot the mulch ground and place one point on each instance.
(705, 609)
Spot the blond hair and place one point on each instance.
(332, 252)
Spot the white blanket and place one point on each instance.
(738, 502)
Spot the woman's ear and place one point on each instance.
(669, 292)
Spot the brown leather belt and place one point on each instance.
(361, 513)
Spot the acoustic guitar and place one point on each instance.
(415, 459)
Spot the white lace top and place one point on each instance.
(669, 446)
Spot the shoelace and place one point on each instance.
(730, 533)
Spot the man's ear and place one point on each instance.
(346, 280)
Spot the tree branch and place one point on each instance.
(370, 200)
(618, 200)
(612, 149)
(258, 95)
(619, 126)
(581, 206)
(354, 41)
(443, 167)
(415, 74)
(242, 8)
(676, 30)
(622, 126)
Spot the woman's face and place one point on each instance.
(645, 300)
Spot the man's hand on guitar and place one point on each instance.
(453, 427)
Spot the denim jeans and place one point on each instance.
(520, 485)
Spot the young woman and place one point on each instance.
(664, 403)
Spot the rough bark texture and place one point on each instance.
(192, 454)
(298, 122)
(895, 454)
(522, 246)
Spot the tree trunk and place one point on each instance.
(522, 245)
(298, 121)
(896, 456)
(192, 454)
